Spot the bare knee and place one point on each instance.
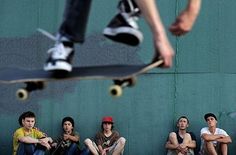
(122, 140)
(173, 138)
(172, 135)
(187, 137)
(88, 142)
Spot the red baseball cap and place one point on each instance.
(108, 119)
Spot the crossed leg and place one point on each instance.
(173, 140)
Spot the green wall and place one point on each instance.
(202, 79)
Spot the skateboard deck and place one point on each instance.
(122, 75)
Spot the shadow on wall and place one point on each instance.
(30, 53)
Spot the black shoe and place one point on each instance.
(123, 27)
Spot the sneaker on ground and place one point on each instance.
(60, 58)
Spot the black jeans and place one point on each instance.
(75, 20)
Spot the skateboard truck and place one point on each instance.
(122, 75)
(23, 93)
(117, 89)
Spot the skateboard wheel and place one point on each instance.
(116, 91)
(22, 94)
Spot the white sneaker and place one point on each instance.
(60, 58)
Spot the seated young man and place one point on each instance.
(28, 139)
(107, 141)
(181, 142)
(214, 141)
(68, 142)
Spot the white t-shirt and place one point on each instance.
(205, 130)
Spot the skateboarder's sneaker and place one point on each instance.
(60, 58)
(123, 27)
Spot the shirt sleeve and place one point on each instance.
(98, 139)
(116, 135)
(203, 131)
(77, 135)
(223, 132)
(39, 134)
(18, 134)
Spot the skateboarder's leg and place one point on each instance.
(72, 30)
(123, 27)
(75, 20)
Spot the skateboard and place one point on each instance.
(121, 75)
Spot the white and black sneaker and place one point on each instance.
(123, 27)
(60, 58)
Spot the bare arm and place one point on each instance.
(46, 142)
(29, 140)
(171, 146)
(208, 137)
(101, 151)
(186, 19)
(226, 139)
(177, 147)
(192, 144)
(194, 6)
(150, 12)
(162, 46)
(74, 138)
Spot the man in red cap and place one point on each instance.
(107, 141)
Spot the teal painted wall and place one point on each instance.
(202, 79)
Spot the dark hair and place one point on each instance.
(24, 115)
(183, 117)
(209, 115)
(112, 125)
(69, 119)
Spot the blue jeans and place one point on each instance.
(72, 150)
(29, 149)
(85, 152)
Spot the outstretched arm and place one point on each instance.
(186, 19)
(163, 49)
